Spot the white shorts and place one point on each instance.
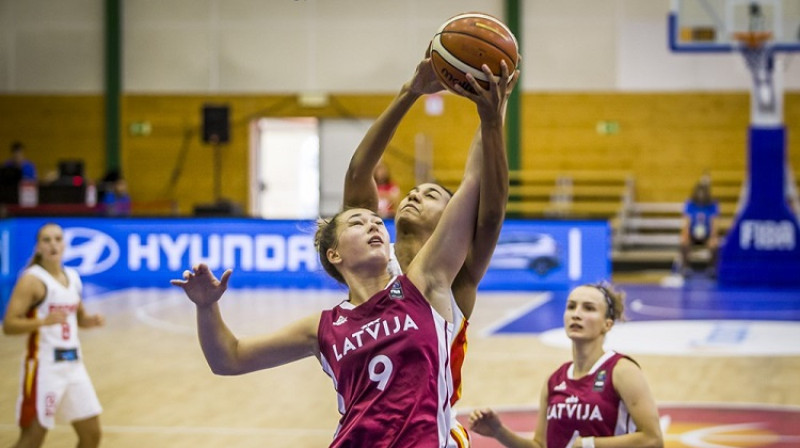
(50, 389)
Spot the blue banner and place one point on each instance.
(763, 246)
(123, 253)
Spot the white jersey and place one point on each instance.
(47, 340)
(53, 378)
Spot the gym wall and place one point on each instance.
(583, 62)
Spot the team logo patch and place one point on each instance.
(396, 292)
(599, 381)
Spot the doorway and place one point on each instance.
(297, 165)
(285, 161)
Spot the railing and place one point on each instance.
(561, 194)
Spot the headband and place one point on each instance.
(609, 302)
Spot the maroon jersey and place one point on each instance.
(589, 405)
(389, 361)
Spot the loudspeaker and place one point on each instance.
(220, 208)
(216, 124)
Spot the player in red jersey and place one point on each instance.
(46, 305)
(421, 209)
(387, 348)
(599, 399)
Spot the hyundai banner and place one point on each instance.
(123, 253)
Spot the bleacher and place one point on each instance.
(647, 234)
(561, 194)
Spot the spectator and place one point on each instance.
(388, 191)
(699, 229)
(115, 200)
(18, 160)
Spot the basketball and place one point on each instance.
(467, 41)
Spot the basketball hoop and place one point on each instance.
(756, 51)
(753, 39)
(754, 46)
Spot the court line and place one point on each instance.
(744, 406)
(210, 430)
(537, 300)
(144, 316)
(698, 438)
(679, 313)
(691, 438)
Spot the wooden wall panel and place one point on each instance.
(54, 128)
(666, 139)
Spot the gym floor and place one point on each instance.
(722, 365)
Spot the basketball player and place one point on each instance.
(600, 398)
(387, 347)
(46, 305)
(421, 209)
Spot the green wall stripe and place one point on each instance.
(113, 82)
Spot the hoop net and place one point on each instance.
(754, 48)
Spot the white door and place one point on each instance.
(338, 140)
(286, 160)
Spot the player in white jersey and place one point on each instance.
(420, 211)
(600, 398)
(46, 305)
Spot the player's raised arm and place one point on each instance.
(360, 189)
(489, 160)
(442, 257)
(225, 353)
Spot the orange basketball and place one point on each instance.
(467, 41)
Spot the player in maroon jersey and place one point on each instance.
(600, 398)
(387, 347)
(422, 207)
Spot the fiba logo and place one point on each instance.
(89, 251)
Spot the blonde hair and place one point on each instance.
(36, 258)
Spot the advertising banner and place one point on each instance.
(123, 253)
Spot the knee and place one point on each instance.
(91, 438)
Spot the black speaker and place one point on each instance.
(216, 124)
(219, 208)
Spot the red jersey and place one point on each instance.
(389, 361)
(589, 405)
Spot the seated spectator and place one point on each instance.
(388, 191)
(114, 198)
(18, 160)
(700, 227)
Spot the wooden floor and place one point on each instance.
(157, 390)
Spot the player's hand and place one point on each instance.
(485, 422)
(54, 318)
(201, 286)
(93, 320)
(491, 101)
(424, 80)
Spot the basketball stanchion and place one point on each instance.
(762, 249)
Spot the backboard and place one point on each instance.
(712, 25)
